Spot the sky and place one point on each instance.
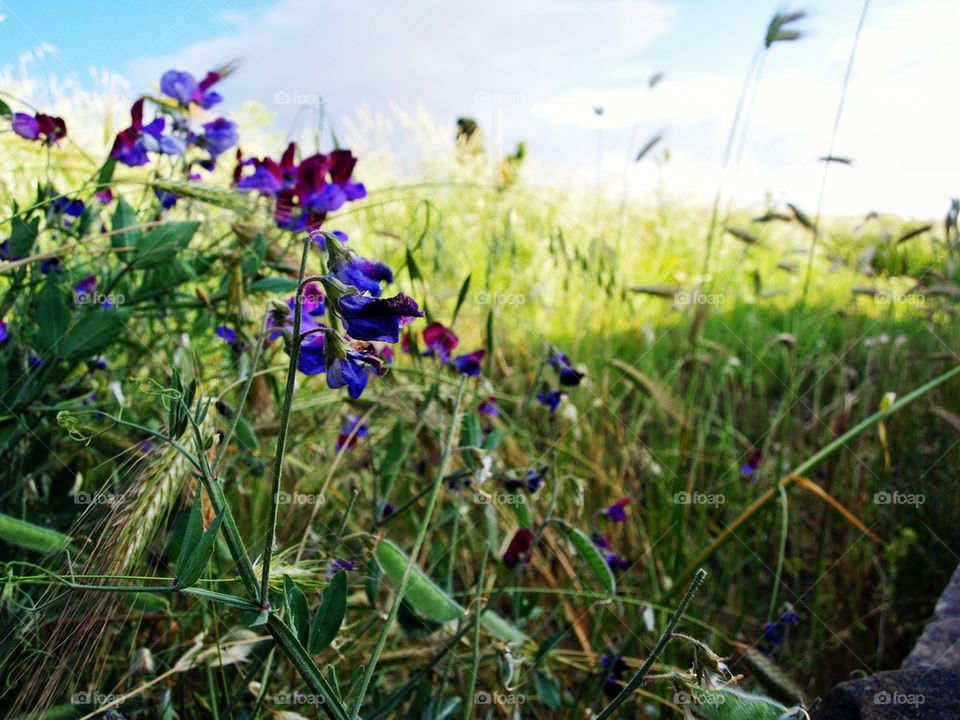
(535, 70)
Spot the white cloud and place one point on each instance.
(538, 67)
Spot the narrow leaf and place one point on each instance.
(594, 558)
(298, 611)
(329, 616)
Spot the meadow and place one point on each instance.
(286, 437)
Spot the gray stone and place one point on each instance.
(932, 694)
(939, 645)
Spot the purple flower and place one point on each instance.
(489, 407)
(85, 287)
(350, 371)
(132, 144)
(181, 86)
(567, 374)
(267, 177)
(751, 466)
(167, 199)
(51, 265)
(338, 565)
(3, 331)
(97, 363)
(363, 274)
(65, 206)
(618, 511)
(440, 340)
(231, 338)
(469, 364)
(105, 196)
(532, 481)
(519, 547)
(46, 128)
(351, 432)
(775, 633)
(219, 136)
(614, 668)
(184, 88)
(377, 319)
(312, 359)
(550, 398)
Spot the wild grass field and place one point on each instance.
(488, 503)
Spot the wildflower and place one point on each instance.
(3, 331)
(532, 481)
(775, 633)
(104, 197)
(183, 87)
(550, 398)
(219, 136)
(131, 145)
(63, 206)
(469, 364)
(386, 509)
(312, 359)
(84, 287)
(377, 319)
(167, 199)
(97, 363)
(351, 432)
(231, 338)
(617, 512)
(614, 668)
(614, 561)
(338, 565)
(520, 546)
(750, 467)
(489, 407)
(363, 274)
(349, 371)
(568, 375)
(46, 128)
(51, 265)
(440, 340)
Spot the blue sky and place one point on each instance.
(536, 68)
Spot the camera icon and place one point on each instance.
(281, 98)
(682, 698)
(482, 698)
(882, 498)
(82, 698)
(81, 298)
(881, 698)
(482, 498)
(681, 498)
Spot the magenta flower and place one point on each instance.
(618, 511)
(469, 364)
(440, 340)
(46, 128)
(519, 548)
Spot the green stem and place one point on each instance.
(284, 425)
(414, 553)
(784, 528)
(641, 675)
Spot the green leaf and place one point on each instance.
(245, 434)
(298, 611)
(52, 317)
(594, 558)
(501, 629)
(106, 173)
(273, 285)
(124, 226)
(23, 236)
(163, 243)
(5, 110)
(464, 289)
(424, 596)
(329, 617)
(93, 333)
(30, 536)
(196, 549)
(549, 691)
(412, 268)
(648, 146)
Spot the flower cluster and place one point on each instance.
(567, 375)
(441, 341)
(352, 293)
(775, 632)
(305, 192)
(175, 129)
(48, 129)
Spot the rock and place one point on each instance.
(939, 645)
(916, 694)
